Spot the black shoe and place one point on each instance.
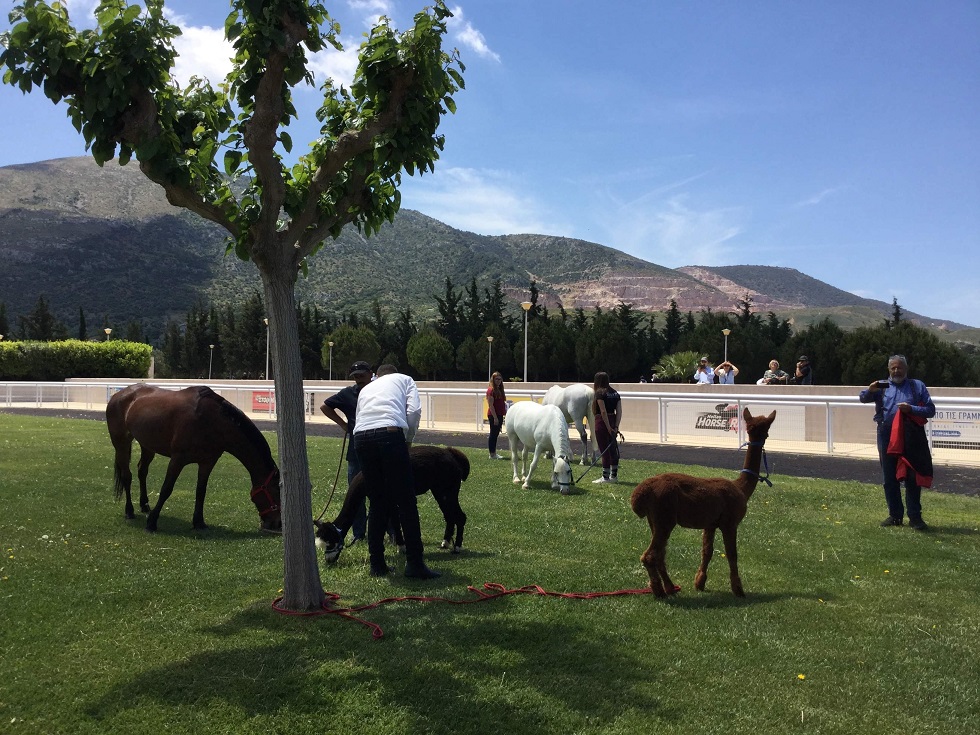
(379, 570)
(892, 521)
(918, 524)
(421, 571)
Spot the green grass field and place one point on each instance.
(105, 628)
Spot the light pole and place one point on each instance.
(331, 359)
(210, 360)
(107, 331)
(726, 332)
(266, 320)
(489, 357)
(526, 305)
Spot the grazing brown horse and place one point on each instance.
(673, 499)
(439, 469)
(191, 426)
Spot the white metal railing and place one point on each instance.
(832, 424)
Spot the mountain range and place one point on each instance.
(106, 241)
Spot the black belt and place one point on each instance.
(375, 432)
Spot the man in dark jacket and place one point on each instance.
(902, 406)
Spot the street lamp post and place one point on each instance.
(107, 331)
(726, 332)
(489, 357)
(266, 320)
(330, 344)
(210, 360)
(526, 305)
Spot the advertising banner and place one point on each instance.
(264, 400)
(956, 428)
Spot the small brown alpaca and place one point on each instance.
(673, 499)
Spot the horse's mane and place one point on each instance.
(243, 422)
(566, 446)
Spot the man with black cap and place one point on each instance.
(705, 374)
(804, 375)
(345, 401)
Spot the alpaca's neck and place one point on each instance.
(749, 477)
(345, 519)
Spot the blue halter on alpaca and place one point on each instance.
(765, 462)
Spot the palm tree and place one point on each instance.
(676, 368)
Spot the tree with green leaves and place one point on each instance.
(116, 83)
(429, 353)
(677, 367)
(82, 331)
(673, 326)
(350, 344)
(40, 324)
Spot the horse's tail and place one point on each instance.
(461, 461)
(122, 442)
(119, 488)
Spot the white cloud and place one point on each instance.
(669, 230)
(485, 202)
(466, 35)
(202, 52)
(819, 197)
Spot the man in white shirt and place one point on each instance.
(704, 375)
(388, 415)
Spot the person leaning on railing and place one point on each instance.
(774, 376)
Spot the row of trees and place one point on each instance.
(478, 330)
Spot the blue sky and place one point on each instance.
(838, 138)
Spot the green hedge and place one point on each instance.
(73, 358)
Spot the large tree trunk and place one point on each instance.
(302, 590)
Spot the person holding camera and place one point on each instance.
(726, 373)
(902, 407)
(774, 376)
(704, 375)
(804, 374)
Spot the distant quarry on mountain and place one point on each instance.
(105, 240)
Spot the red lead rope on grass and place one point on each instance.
(496, 591)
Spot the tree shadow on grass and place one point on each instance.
(465, 669)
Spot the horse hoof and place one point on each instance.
(130, 516)
(457, 549)
(144, 509)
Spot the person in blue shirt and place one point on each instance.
(705, 374)
(909, 397)
(726, 373)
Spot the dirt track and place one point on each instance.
(948, 479)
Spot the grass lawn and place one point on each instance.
(846, 628)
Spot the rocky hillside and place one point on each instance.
(105, 240)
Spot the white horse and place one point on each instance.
(540, 428)
(575, 402)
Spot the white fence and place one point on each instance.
(808, 423)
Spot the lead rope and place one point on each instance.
(496, 592)
(765, 463)
(612, 441)
(340, 464)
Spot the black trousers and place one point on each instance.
(387, 469)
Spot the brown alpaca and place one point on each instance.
(673, 499)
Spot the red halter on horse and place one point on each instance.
(191, 426)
